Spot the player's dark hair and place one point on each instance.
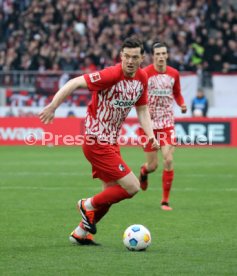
(133, 42)
(158, 45)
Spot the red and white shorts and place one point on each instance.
(107, 163)
(165, 136)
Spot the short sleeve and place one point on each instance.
(101, 80)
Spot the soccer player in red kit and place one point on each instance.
(163, 89)
(115, 90)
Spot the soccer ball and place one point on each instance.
(137, 237)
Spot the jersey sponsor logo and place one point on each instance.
(161, 85)
(160, 92)
(123, 104)
(94, 77)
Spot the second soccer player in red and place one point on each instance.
(115, 90)
(163, 89)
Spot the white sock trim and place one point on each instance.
(80, 232)
(89, 205)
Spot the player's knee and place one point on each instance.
(134, 188)
(168, 162)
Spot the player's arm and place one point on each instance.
(47, 114)
(145, 121)
(178, 96)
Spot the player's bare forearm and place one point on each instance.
(145, 121)
(67, 90)
(47, 114)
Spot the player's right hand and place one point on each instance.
(183, 108)
(47, 114)
(155, 144)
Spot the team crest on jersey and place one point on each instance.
(121, 168)
(94, 76)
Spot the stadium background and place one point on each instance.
(42, 45)
(45, 43)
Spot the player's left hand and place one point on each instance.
(183, 108)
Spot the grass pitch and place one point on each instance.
(39, 187)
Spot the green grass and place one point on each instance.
(39, 187)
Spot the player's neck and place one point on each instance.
(129, 75)
(160, 69)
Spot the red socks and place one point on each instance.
(109, 196)
(167, 180)
(144, 170)
(99, 213)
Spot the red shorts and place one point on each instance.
(165, 136)
(107, 163)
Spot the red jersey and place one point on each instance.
(163, 89)
(113, 96)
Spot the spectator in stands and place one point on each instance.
(35, 35)
(200, 104)
(231, 55)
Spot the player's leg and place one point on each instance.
(168, 175)
(85, 239)
(151, 160)
(114, 191)
(149, 167)
(130, 184)
(80, 235)
(101, 212)
(110, 168)
(124, 188)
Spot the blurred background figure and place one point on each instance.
(200, 105)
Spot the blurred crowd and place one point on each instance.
(67, 35)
